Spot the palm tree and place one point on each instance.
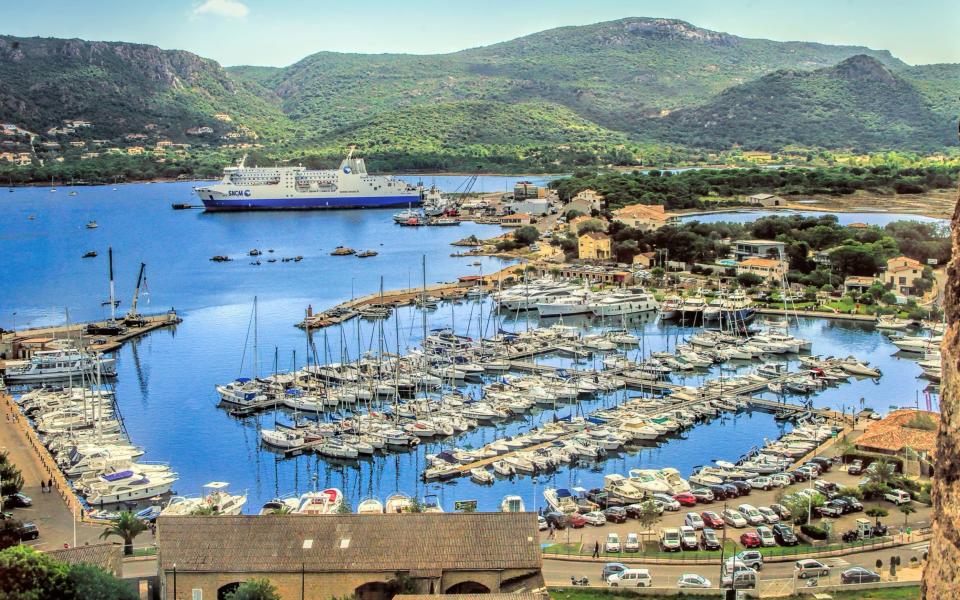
(126, 526)
(282, 510)
(907, 510)
(880, 472)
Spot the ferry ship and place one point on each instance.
(297, 188)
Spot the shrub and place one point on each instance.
(814, 532)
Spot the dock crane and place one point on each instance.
(133, 318)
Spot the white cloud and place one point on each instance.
(232, 9)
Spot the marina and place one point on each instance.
(176, 421)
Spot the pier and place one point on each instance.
(406, 296)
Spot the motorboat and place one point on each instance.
(481, 476)
(398, 503)
(329, 501)
(622, 488)
(282, 438)
(216, 499)
(648, 480)
(370, 506)
(512, 504)
(561, 500)
(127, 486)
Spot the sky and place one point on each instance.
(281, 32)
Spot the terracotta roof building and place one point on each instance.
(902, 274)
(645, 217)
(899, 430)
(370, 557)
(768, 268)
(108, 557)
(594, 246)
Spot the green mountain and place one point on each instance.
(122, 88)
(566, 97)
(614, 73)
(859, 104)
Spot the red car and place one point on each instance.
(686, 499)
(576, 520)
(750, 540)
(711, 519)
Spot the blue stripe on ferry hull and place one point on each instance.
(308, 203)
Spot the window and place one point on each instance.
(197, 594)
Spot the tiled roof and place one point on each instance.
(649, 211)
(338, 543)
(595, 235)
(858, 280)
(906, 263)
(106, 556)
(890, 433)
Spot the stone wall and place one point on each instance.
(941, 577)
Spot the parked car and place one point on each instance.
(709, 539)
(856, 467)
(542, 524)
(750, 539)
(632, 543)
(733, 518)
(557, 519)
(692, 580)
(633, 511)
(826, 487)
(615, 514)
(741, 579)
(18, 500)
(602, 498)
(743, 488)
(807, 472)
(751, 514)
(859, 575)
(784, 535)
(731, 490)
(831, 509)
(711, 519)
(751, 558)
(631, 578)
(576, 520)
(613, 543)
(612, 568)
(898, 497)
(809, 567)
(782, 511)
(814, 466)
(688, 538)
(669, 503)
(825, 463)
(703, 495)
(29, 531)
(760, 483)
(595, 518)
(685, 499)
(720, 491)
(855, 505)
(769, 515)
(670, 539)
(780, 480)
(799, 475)
(693, 520)
(766, 536)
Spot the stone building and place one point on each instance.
(645, 217)
(368, 557)
(767, 200)
(108, 557)
(769, 269)
(902, 274)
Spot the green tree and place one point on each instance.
(88, 582)
(907, 510)
(648, 515)
(254, 589)
(9, 533)
(749, 280)
(526, 235)
(802, 505)
(880, 472)
(877, 513)
(26, 574)
(126, 526)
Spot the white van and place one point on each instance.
(631, 578)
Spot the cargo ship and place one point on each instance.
(298, 188)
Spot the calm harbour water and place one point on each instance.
(165, 387)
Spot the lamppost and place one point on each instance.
(174, 581)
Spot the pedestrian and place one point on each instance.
(550, 531)
(50, 485)
(43, 486)
(596, 550)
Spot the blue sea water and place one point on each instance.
(165, 388)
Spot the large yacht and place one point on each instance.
(624, 302)
(53, 365)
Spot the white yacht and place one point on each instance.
(216, 498)
(624, 303)
(53, 365)
(126, 486)
(512, 504)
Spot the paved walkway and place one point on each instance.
(50, 511)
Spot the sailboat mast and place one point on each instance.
(256, 353)
(113, 303)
